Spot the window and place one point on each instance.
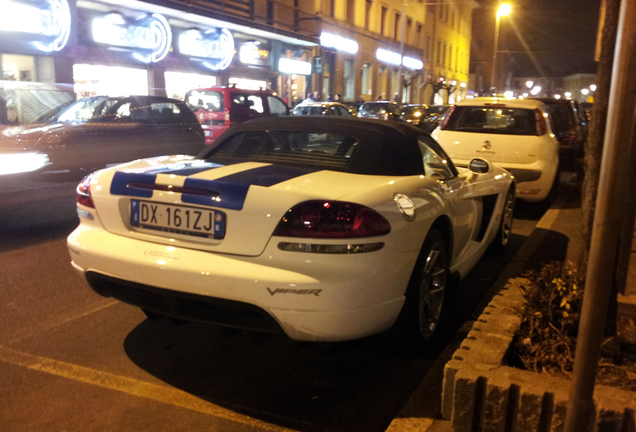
(321, 150)
(254, 103)
(444, 55)
(349, 79)
(439, 51)
(436, 164)
(453, 19)
(276, 106)
(441, 10)
(351, 10)
(409, 23)
(207, 100)
(456, 59)
(367, 17)
(396, 27)
(419, 35)
(367, 79)
(504, 121)
(123, 112)
(383, 21)
(450, 57)
(428, 47)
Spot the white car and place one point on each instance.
(327, 229)
(511, 134)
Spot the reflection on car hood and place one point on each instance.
(26, 136)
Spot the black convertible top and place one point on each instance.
(384, 148)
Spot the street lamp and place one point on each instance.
(593, 87)
(503, 10)
(529, 84)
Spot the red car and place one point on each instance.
(217, 108)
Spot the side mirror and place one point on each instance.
(479, 166)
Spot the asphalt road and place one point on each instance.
(71, 360)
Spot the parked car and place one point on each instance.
(326, 229)
(217, 108)
(352, 107)
(413, 113)
(433, 117)
(512, 134)
(569, 123)
(122, 129)
(321, 108)
(382, 110)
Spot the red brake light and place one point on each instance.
(84, 192)
(446, 117)
(542, 127)
(332, 219)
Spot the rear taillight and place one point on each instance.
(444, 121)
(542, 127)
(84, 192)
(227, 116)
(331, 219)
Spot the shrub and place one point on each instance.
(547, 336)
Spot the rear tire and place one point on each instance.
(426, 292)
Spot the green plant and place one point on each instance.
(547, 335)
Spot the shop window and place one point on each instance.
(276, 106)
(179, 83)
(349, 80)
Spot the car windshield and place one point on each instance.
(318, 150)
(308, 110)
(79, 111)
(493, 120)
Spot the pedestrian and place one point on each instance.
(359, 101)
(395, 98)
(329, 98)
(337, 98)
(316, 97)
(309, 98)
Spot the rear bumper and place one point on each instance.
(311, 297)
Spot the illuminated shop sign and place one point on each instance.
(394, 59)
(339, 43)
(149, 36)
(49, 19)
(215, 48)
(253, 53)
(290, 66)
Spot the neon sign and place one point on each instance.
(394, 59)
(339, 43)
(52, 20)
(215, 47)
(150, 33)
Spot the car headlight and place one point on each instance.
(14, 163)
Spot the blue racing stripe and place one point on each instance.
(227, 195)
(269, 175)
(119, 185)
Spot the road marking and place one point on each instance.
(131, 386)
(30, 333)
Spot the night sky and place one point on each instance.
(561, 34)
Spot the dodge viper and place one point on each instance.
(326, 229)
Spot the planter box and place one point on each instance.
(480, 393)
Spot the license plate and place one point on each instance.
(207, 132)
(177, 219)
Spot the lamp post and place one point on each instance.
(503, 10)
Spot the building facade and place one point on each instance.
(356, 48)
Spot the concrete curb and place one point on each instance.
(480, 393)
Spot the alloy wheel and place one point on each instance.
(432, 290)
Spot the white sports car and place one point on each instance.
(327, 229)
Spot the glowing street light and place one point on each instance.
(593, 87)
(585, 92)
(568, 95)
(509, 95)
(557, 96)
(504, 10)
(535, 90)
(529, 84)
